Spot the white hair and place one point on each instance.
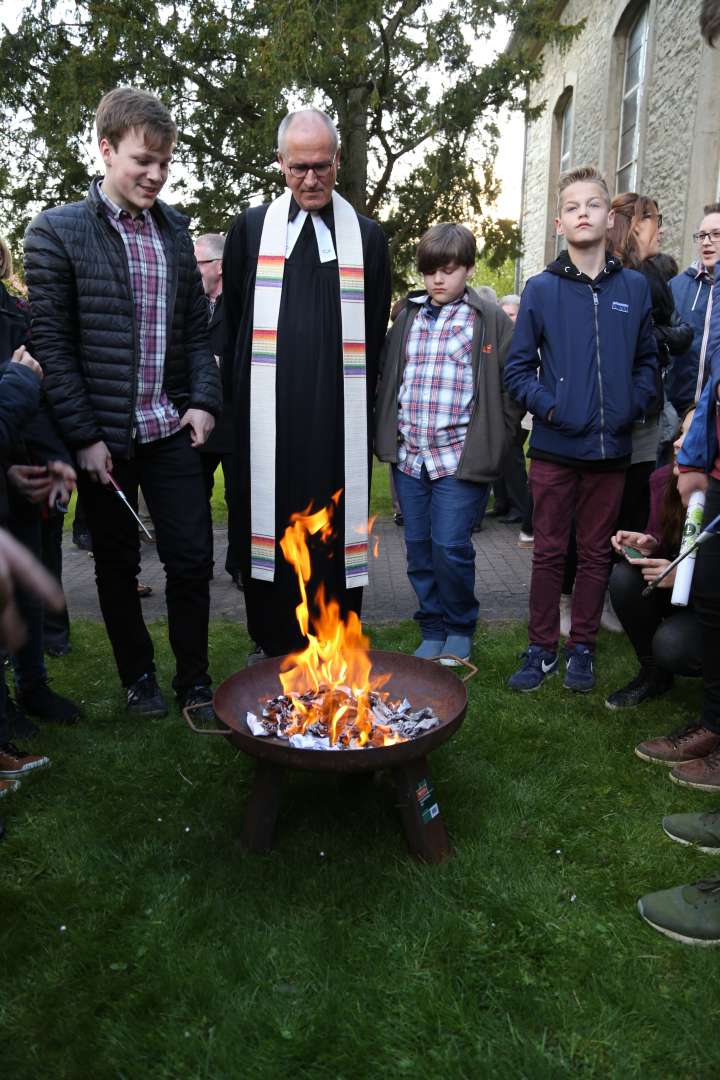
(214, 242)
(511, 298)
(286, 122)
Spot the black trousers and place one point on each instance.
(662, 636)
(169, 472)
(210, 462)
(706, 602)
(56, 624)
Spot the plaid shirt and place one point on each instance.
(155, 415)
(437, 390)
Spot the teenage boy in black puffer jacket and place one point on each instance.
(119, 324)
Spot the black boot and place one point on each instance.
(649, 682)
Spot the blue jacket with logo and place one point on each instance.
(691, 293)
(597, 360)
(700, 446)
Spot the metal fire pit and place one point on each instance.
(423, 682)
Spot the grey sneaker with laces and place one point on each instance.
(695, 830)
(687, 913)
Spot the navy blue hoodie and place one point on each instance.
(597, 361)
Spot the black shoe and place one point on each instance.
(42, 702)
(58, 648)
(144, 697)
(648, 683)
(497, 511)
(511, 518)
(81, 539)
(19, 726)
(199, 699)
(477, 527)
(398, 519)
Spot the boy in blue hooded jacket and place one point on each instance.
(582, 360)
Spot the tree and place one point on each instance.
(417, 113)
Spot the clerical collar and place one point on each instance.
(325, 212)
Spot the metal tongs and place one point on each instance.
(709, 530)
(123, 498)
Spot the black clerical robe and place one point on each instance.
(309, 465)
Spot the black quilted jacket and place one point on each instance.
(83, 322)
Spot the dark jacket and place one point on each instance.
(597, 360)
(494, 416)
(14, 324)
(83, 322)
(222, 437)
(691, 293)
(700, 445)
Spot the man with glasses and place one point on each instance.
(306, 297)
(691, 293)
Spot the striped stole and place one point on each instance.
(263, 363)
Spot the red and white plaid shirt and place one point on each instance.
(437, 390)
(155, 415)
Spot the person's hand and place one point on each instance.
(644, 542)
(22, 356)
(19, 567)
(96, 461)
(201, 424)
(63, 480)
(32, 481)
(653, 568)
(688, 482)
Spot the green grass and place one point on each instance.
(335, 957)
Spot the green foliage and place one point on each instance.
(335, 957)
(416, 111)
(501, 279)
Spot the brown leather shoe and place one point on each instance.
(702, 774)
(687, 744)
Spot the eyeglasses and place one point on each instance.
(701, 237)
(204, 262)
(321, 169)
(654, 217)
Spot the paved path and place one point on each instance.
(502, 578)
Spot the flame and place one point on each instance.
(337, 657)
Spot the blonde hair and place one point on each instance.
(584, 174)
(6, 261)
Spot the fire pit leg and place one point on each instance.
(425, 832)
(262, 809)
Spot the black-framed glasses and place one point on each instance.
(322, 169)
(701, 237)
(654, 217)
(204, 262)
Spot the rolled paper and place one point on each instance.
(691, 530)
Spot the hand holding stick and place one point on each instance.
(709, 531)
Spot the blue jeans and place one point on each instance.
(439, 516)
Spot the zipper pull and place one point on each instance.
(595, 298)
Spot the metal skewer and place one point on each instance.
(121, 494)
(708, 531)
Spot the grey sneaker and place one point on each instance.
(695, 830)
(687, 913)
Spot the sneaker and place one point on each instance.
(686, 744)
(565, 614)
(144, 697)
(14, 762)
(609, 620)
(42, 702)
(539, 663)
(579, 674)
(7, 786)
(429, 648)
(398, 519)
(688, 913)
(81, 539)
(703, 773)
(200, 699)
(456, 645)
(525, 540)
(648, 683)
(695, 830)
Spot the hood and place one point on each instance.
(564, 267)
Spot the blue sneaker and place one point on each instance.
(579, 674)
(539, 663)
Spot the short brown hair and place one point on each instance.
(126, 109)
(630, 209)
(710, 21)
(444, 244)
(584, 174)
(6, 263)
(711, 208)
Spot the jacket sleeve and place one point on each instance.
(53, 304)
(19, 398)
(234, 271)
(644, 372)
(521, 376)
(677, 336)
(203, 373)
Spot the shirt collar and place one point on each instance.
(114, 210)
(701, 272)
(434, 310)
(325, 212)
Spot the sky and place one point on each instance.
(508, 166)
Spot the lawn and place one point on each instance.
(139, 942)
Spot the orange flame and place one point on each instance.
(337, 657)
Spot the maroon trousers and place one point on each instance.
(558, 493)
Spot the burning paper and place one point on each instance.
(330, 698)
